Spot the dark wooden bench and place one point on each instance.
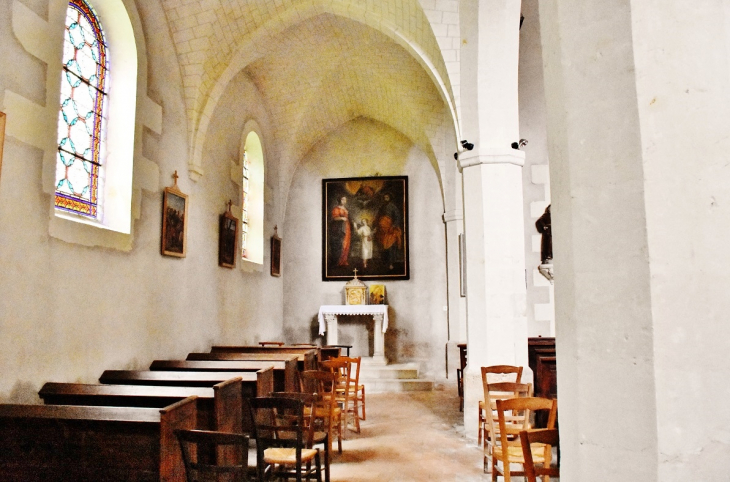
(309, 355)
(285, 371)
(254, 384)
(302, 363)
(541, 355)
(73, 443)
(545, 379)
(219, 408)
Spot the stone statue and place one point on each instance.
(543, 226)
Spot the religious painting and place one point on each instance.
(227, 238)
(365, 227)
(275, 255)
(377, 294)
(174, 221)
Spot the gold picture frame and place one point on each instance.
(174, 221)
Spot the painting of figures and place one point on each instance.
(227, 237)
(174, 222)
(365, 227)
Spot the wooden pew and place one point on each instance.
(258, 384)
(285, 371)
(309, 355)
(541, 356)
(219, 408)
(299, 359)
(72, 443)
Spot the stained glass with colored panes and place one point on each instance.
(82, 117)
(244, 203)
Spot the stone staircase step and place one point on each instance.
(389, 372)
(401, 377)
(396, 385)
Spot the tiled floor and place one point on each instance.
(407, 437)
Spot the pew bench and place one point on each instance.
(285, 371)
(311, 356)
(72, 443)
(219, 408)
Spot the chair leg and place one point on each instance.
(481, 427)
(319, 467)
(355, 415)
(339, 439)
(327, 447)
(363, 403)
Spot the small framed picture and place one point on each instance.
(377, 294)
(174, 222)
(275, 255)
(227, 239)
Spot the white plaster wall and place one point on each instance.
(362, 147)
(67, 312)
(535, 176)
(682, 55)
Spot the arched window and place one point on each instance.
(252, 198)
(245, 187)
(83, 115)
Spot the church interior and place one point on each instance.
(612, 115)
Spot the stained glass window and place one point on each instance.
(82, 117)
(244, 203)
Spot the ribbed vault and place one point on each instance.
(317, 63)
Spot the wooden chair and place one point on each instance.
(271, 343)
(515, 423)
(497, 373)
(356, 395)
(324, 385)
(320, 430)
(208, 455)
(282, 437)
(343, 367)
(550, 438)
(507, 446)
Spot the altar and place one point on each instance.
(328, 323)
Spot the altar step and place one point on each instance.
(392, 378)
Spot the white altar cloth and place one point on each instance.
(352, 310)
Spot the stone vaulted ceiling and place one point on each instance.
(317, 63)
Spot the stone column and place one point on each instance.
(331, 320)
(603, 300)
(378, 340)
(493, 200)
(454, 221)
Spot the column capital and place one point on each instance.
(491, 156)
(453, 215)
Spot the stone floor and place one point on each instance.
(410, 436)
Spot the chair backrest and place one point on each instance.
(522, 406)
(324, 386)
(354, 370)
(501, 373)
(279, 422)
(339, 364)
(212, 455)
(547, 436)
(495, 392)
